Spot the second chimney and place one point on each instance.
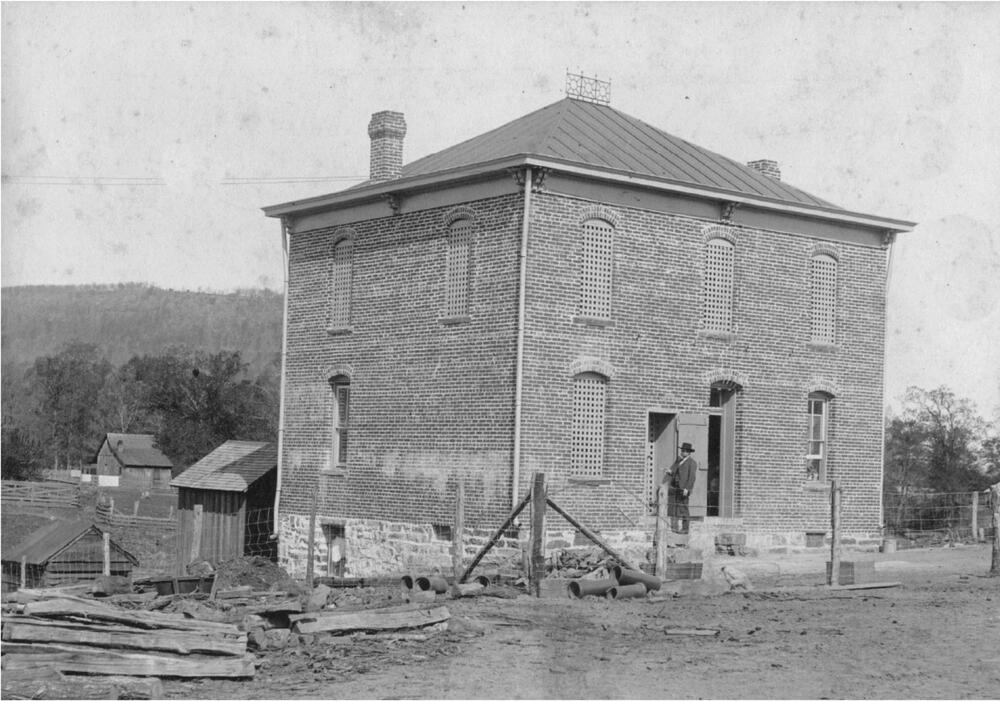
(766, 167)
(386, 130)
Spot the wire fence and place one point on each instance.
(957, 515)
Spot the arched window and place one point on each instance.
(596, 264)
(823, 298)
(818, 447)
(717, 302)
(456, 276)
(587, 452)
(341, 388)
(340, 284)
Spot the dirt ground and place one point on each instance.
(936, 636)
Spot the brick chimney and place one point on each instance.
(386, 130)
(766, 167)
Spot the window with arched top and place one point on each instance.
(341, 389)
(717, 290)
(823, 298)
(587, 450)
(456, 276)
(596, 266)
(818, 447)
(340, 284)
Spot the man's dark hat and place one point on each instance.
(687, 447)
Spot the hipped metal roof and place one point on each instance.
(137, 450)
(48, 541)
(595, 140)
(232, 467)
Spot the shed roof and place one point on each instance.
(137, 450)
(48, 541)
(232, 467)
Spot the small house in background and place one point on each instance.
(225, 504)
(63, 553)
(131, 460)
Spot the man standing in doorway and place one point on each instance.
(682, 475)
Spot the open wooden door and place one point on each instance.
(693, 429)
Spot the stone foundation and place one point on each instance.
(375, 548)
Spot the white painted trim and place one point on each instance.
(519, 372)
(423, 182)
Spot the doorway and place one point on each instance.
(667, 431)
(720, 455)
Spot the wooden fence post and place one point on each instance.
(196, 533)
(24, 571)
(995, 503)
(975, 515)
(834, 578)
(107, 553)
(537, 562)
(661, 530)
(135, 508)
(311, 543)
(457, 533)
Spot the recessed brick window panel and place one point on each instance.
(717, 304)
(823, 296)
(596, 263)
(456, 280)
(340, 284)
(589, 396)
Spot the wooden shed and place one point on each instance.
(63, 553)
(225, 504)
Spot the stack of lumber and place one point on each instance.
(67, 634)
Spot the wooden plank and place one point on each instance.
(371, 620)
(71, 606)
(867, 585)
(90, 660)
(56, 686)
(29, 630)
(692, 631)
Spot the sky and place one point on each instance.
(140, 140)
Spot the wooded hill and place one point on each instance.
(133, 319)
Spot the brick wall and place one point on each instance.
(658, 358)
(430, 400)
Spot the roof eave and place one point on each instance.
(480, 170)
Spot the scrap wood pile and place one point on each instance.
(48, 635)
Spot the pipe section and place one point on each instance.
(624, 575)
(435, 583)
(627, 591)
(580, 588)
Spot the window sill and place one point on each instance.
(334, 472)
(339, 330)
(822, 347)
(593, 481)
(597, 321)
(816, 486)
(455, 320)
(718, 335)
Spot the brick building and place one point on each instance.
(575, 292)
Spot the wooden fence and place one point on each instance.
(107, 515)
(48, 494)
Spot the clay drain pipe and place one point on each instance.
(580, 588)
(625, 576)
